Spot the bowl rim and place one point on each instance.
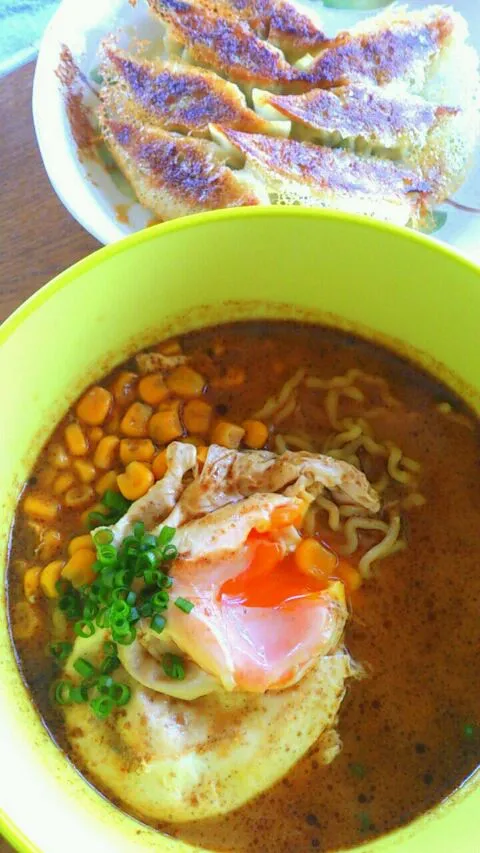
(8, 828)
(184, 223)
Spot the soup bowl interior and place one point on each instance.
(392, 286)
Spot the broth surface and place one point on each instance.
(410, 729)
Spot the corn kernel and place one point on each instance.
(123, 387)
(136, 480)
(94, 406)
(106, 451)
(41, 506)
(106, 483)
(94, 435)
(49, 577)
(159, 465)
(31, 583)
(197, 417)
(76, 440)
(84, 470)
(202, 455)
(256, 434)
(58, 456)
(50, 543)
(46, 476)
(135, 420)
(185, 382)
(63, 482)
(227, 434)
(233, 378)
(25, 621)
(78, 570)
(152, 389)
(136, 450)
(165, 425)
(78, 497)
(78, 542)
(171, 347)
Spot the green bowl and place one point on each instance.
(391, 284)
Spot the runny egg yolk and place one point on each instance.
(273, 580)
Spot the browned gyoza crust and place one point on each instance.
(327, 171)
(177, 96)
(384, 55)
(173, 175)
(278, 21)
(362, 111)
(229, 46)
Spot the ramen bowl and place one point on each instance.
(386, 284)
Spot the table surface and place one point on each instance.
(38, 237)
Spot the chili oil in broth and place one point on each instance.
(410, 729)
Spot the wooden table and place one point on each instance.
(38, 237)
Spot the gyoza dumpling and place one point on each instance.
(315, 176)
(177, 97)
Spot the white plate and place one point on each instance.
(99, 198)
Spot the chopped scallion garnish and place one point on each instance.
(60, 651)
(173, 666)
(184, 604)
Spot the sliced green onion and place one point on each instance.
(165, 536)
(103, 618)
(104, 683)
(120, 693)
(173, 666)
(109, 664)
(90, 610)
(60, 651)
(134, 615)
(95, 519)
(107, 555)
(63, 692)
(146, 608)
(84, 667)
(157, 623)
(119, 608)
(151, 576)
(79, 694)
(107, 577)
(66, 602)
(62, 586)
(170, 553)
(160, 600)
(167, 582)
(84, 628)
(468, 731)
(123, 578)
(110, 648)
(119, 625)
(121, 593)
(146, 561)
(365, 822)
(102, 537)
(149, 542)
(357, 770)
(184, 604)
(102, 706)
(116, 501)
(126, 639)
(138, 530)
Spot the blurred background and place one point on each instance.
(21, 25)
